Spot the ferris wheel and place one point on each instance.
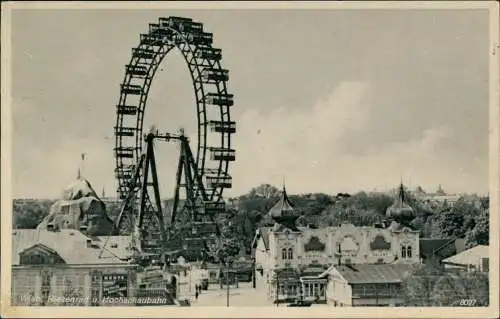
(202, 174)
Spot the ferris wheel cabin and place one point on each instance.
(219, 99)
(215, 75)
(222, 127)
(209, 53)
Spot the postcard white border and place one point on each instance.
(242, 312)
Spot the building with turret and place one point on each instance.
(74, 257)
(79, 208)
(326, 264)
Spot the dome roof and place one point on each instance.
(400, 209)
(283, 210)
(78, 189)
(73, 214)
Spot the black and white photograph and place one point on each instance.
(339, 157)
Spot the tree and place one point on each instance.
(27, 214)
(418, 287)
(452, 223)
(480, 234)
(447, 291)
(228, 245)
(418, 223)
(485, 202)
(264, 190)
(476, 286)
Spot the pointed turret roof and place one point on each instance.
(284, 211)
(400, 210)
(78, 189)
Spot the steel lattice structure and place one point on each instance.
(206, 172)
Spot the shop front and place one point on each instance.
(284, 285)
(313, 284)
(314, 289)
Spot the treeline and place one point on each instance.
(467, 218)
(431, 286)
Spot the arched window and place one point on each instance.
(408, 251)
(403, 252)
(290, 253)
(283, 253)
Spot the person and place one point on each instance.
(196, 293)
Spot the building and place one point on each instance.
(473, 259)
(291, 261)
(434, 250)
(79, 208)
(48, 267)
(73, 258)
(365, 284)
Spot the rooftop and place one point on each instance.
(78, 189)
(283, 209)
(372, 273)
(71, 245)
(470, 256)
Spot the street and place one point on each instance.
(244, 295)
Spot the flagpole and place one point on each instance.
(82, 165)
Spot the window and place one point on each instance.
(290, 253)
(408, 251)
(283, 253)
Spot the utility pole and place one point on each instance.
(277, 290)
(227, 282)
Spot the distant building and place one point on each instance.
(291, 261)
(440, 197)
(436, 249)
(473, 259)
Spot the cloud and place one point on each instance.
(285, 142)
(305, 146)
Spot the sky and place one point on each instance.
(327, 100)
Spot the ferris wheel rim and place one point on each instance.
(166, 45)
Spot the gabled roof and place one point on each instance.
(470, 256)
(372, 273)
(263, 233)
(39, 246)
(71, 246)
